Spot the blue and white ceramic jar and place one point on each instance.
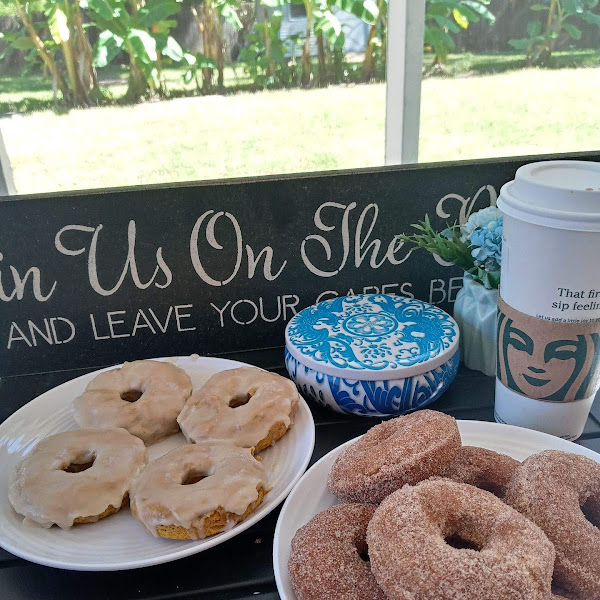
(372, 355)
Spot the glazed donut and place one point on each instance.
(145, 397)
(557, 491)
(198, 490)
(78, 476)
(249, 406)
(329, 557)
(442, 540)
(485, 469)
(403, 450)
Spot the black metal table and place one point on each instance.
(240, 568)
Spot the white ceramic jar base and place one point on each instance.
(562, 419)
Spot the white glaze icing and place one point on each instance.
(207, 414)
(44, 493)
(153, 416)
(232, 475)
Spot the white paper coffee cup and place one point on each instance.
(549, 311)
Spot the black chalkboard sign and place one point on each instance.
(95, 278)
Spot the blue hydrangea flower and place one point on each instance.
(483, 232)
(487, 242)
(479, 219)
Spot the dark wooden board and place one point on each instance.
(95, 278)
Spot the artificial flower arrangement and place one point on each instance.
(475, 246)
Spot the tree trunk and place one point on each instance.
(551, 12)
(268, 49)
(202, 31)
(368, 66)
(137, 86)
(46, 57)
(383, 31)
(91, 81)
(323, 81)
(207, 45)
(550, 26)
(162, 86)
(77, 92)
(220, 55)
(71, 56)
(306, 66)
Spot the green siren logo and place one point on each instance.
(547, 360)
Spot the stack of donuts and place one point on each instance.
(424, 518)
(197, 490)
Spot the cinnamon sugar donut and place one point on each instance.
(558, 594)
(78, 476)
(198, 490)
(442, 540)
(328, 558)
(557, 491)
(144, 396)
(401, 451)
(483, 468)
(249, 406)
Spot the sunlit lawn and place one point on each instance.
(508, 113)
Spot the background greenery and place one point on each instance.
(528, 111)
(103, 93)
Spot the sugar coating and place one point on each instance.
(325, 560)
(559, 594)
(482, 468)
(412, 561)
(153, 417)
(404, 450)
(550, 488)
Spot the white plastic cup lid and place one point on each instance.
(563, 194)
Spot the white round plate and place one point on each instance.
(311, 496)
(120, 541)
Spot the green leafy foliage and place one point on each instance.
(443, 18)
(228, 9)
(267, 63)
(558, 16)
(58, 25)
(106, 49)
(141, 31)
(449, 246)
(366, 10)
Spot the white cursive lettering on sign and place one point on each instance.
(130, 262)
(363, 246)
(209, 232)
(19, 285)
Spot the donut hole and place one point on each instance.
(242, 399)
(80, 464)
(457, 541)
(591, 511)
(363, 552)
(490, 487)
(193, 476)
(131, 395)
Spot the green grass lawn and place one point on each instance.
(527, 111)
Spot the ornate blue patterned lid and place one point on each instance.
(383, 337)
